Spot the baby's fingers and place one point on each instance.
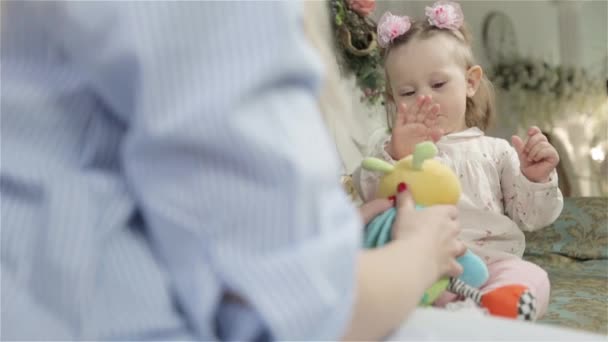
(533, 141)
(537, 149)
(420, 104)
(425, 110)
(401, 114)
(431, 118)
(518, 144)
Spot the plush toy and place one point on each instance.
(432, 183)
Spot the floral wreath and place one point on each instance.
(543, 91)
(357, 45)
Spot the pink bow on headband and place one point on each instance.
(390, 27)
(443, 14)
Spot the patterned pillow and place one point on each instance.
(581, 231)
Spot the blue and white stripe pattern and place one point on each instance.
(158, 155)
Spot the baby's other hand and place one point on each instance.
(537, 156)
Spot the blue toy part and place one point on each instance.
(475, 270)
(378, 231)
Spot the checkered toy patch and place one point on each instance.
(526, 309)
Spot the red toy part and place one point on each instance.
(511, 301)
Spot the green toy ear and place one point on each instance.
(424, 150)
(375, 164)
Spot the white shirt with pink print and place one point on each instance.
(497, 200)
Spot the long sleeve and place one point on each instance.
(368, 181)
(531, 205)
(227, 156)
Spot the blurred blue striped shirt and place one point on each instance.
(159, 159)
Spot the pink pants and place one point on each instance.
(511, 272)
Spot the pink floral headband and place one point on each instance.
(443, 14)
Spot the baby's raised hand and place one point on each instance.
(537, 157)
(413, 125)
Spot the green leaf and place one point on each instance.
(339, 20)
(424, 150)
(375, 164)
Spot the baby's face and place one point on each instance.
(430, 67)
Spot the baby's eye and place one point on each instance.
(438, 85)
(408, 93)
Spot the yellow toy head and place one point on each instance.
(429, 181)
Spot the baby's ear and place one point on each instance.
(474, 75)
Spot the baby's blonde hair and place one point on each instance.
(480, 109)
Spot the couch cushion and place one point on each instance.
(581, 231)
(579, 292)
